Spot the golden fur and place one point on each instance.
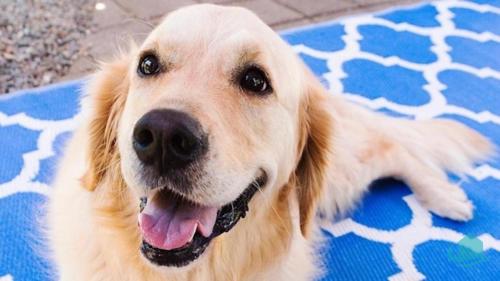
(321, 153)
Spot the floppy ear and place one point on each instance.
(316, 131)
(107, 92)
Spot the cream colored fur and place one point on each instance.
(320, 152)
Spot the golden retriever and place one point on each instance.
(208, 152)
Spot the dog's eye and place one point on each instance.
(255, 80)
(149, 65)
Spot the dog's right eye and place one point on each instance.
(148, 65)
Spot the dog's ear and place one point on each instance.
(107, 92)
(316, 132)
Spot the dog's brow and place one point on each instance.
(248, 55)
(148, 51)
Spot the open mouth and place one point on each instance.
(177, 231)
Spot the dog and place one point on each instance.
(208, 153)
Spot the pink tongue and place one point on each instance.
(173, 224)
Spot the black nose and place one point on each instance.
(168, 139)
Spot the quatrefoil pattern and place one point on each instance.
(440, 59)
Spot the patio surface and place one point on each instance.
(122, 19)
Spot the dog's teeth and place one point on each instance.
(144, 201)
(192, 235)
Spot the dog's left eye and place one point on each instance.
(149, 65)
(254, 79)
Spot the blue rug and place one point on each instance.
(435, 60)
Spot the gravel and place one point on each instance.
(39, 40)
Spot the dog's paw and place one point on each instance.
(448, 201)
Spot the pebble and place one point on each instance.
(40, 39)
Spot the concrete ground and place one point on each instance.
(118, 20)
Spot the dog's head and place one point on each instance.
(213, 111)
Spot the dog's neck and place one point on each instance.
(261, 240)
